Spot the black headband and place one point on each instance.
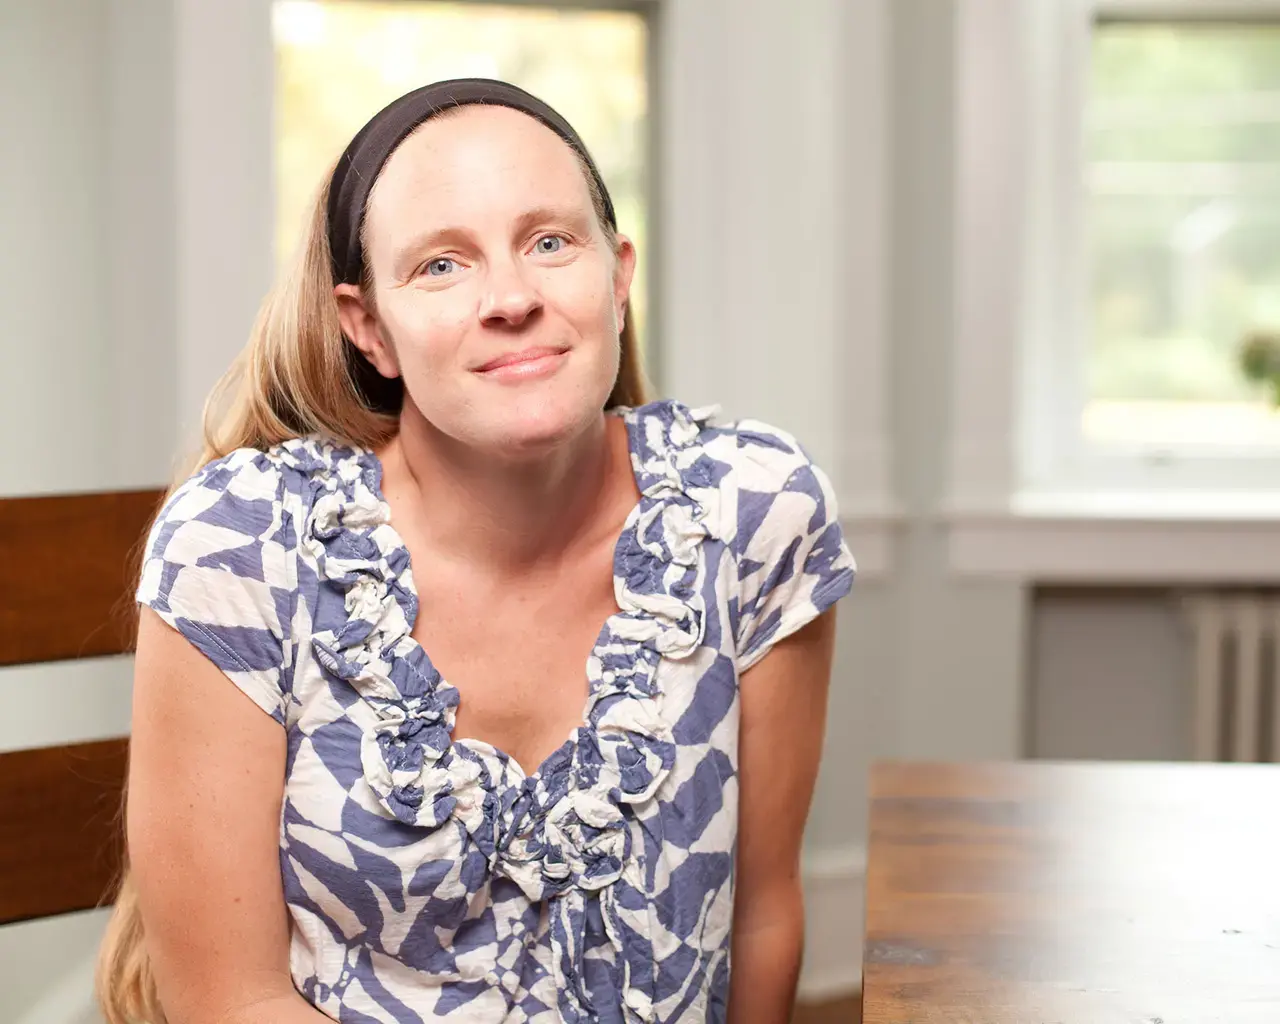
(362, 161)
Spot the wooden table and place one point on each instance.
(1036, 893)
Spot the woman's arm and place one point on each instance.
(206, 780)
(784, 705)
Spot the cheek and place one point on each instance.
(588, 301)
(423, 328)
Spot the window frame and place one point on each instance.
(1056, 456)
(1215, 11)
(1024, 498)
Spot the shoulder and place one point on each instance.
(775, 512)
(782, 501)
(761, 496)
(758, 475)
(241, 508)
(754, 451)
(766, 458)
(221, 563)
(236, 491)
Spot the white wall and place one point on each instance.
(928, 665)
(47, 972)
(852, 351)
(86, 265)
(956, 693)
(52, 69)
(86, 384)
(775, 169)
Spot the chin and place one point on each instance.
(540, 420)
(522, 420)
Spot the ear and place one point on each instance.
(362, 328)
(624, 270)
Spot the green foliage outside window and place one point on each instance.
(1183, 142)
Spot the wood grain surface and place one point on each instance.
(1036, 893)
(838, 1011)
(61, 835)
(71, 562)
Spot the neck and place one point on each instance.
(505, 515)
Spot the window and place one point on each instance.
(339, 61)
(1182, 147)
(1146, 141)
(1100, 429)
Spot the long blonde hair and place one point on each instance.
(297, 375)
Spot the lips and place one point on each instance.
(525, 355)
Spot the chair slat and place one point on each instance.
(61, 833)
(71, 561)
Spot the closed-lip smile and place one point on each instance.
(524, 355)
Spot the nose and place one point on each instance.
(509, 297)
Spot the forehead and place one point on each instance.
(475, 163)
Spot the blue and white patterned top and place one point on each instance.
(431, 879)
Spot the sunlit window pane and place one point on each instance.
(339, 61)
(1183, 143)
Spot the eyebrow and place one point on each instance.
(407, 256)
(571, 217)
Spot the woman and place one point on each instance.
(428, 481)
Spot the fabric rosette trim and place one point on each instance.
(566, 832)
(622, 760)
(364, 613)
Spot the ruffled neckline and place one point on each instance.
(449, 694)
(561, 831)
(360, 552)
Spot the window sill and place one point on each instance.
(1118, 538)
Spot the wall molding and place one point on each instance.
(1190, 10)
(873, 539)
(989, 186)
(772, 285)
(1141, 548)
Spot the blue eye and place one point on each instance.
(440, 267)
(549, 244)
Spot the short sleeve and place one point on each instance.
(791, 557)
(220, 568)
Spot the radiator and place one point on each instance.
(1236, 707)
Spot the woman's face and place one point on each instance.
(497, 297)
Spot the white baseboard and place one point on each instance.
(834, 882)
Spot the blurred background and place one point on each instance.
(1008, 269)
